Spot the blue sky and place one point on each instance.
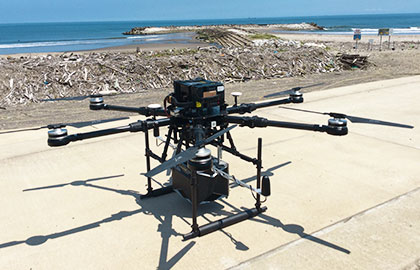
(15, 11)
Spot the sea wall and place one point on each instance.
(246, 27)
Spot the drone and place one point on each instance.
(196, 115)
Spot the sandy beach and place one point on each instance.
(347, 38)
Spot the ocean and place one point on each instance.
(76, 36)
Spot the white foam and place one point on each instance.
(143, 37)
(46, 44)
(396, 31)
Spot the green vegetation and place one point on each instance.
(263, 36)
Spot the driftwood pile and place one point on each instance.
(350, 61)
(31, 79)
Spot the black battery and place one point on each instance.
(201, 93)
(211, 185)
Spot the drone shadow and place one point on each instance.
(160, 209)
(290, 228)
(299, 230)
(164, 213)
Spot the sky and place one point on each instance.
(20, 11)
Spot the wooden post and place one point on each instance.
(380, 43)
(389, 41)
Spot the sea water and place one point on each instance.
(75, 36)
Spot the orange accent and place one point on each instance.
(209, 94)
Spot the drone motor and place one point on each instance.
(96, 103)
(337, 126)
(296, 96)
(57, 136)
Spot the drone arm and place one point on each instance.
(250, 107)
(140, 110)
(256, 121)
(55, 140)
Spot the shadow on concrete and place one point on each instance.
(74, 183)
(238, 244)
(268, 172)
(290, 228)
(163, 209)
(297, 229)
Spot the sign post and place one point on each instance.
(357, 36)
(370, 44)
(382, 32)
(389, 38)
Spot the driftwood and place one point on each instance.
(31, 79)
(350, 61)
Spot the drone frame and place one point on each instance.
(336, 126)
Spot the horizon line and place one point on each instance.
(214, 19)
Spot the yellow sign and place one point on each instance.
(197, 104)
(383, 32)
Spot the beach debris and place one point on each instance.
(311, 44)
(58, 77)
(350, 61)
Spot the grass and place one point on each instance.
(262, 36)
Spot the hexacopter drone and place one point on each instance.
(197, 115)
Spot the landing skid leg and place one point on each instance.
(225, 222)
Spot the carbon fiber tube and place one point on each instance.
(140, 110)
(133, 127)
(225, 222)
(98, 133)
(256, 121)
(250, 107)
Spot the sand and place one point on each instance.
(347, 38)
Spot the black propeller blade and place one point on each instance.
(75, 124)
(78, 98)
(353, 119)
(185, 155)
(67, 98)
(290, 91)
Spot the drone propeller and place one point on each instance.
(185, 155)
(78, 98)
(353, 119)
(291, 91)
(75, 124)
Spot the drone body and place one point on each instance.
(197, 115)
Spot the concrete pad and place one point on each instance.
(383, 237)
(78, 206)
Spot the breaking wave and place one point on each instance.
(396, 31)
